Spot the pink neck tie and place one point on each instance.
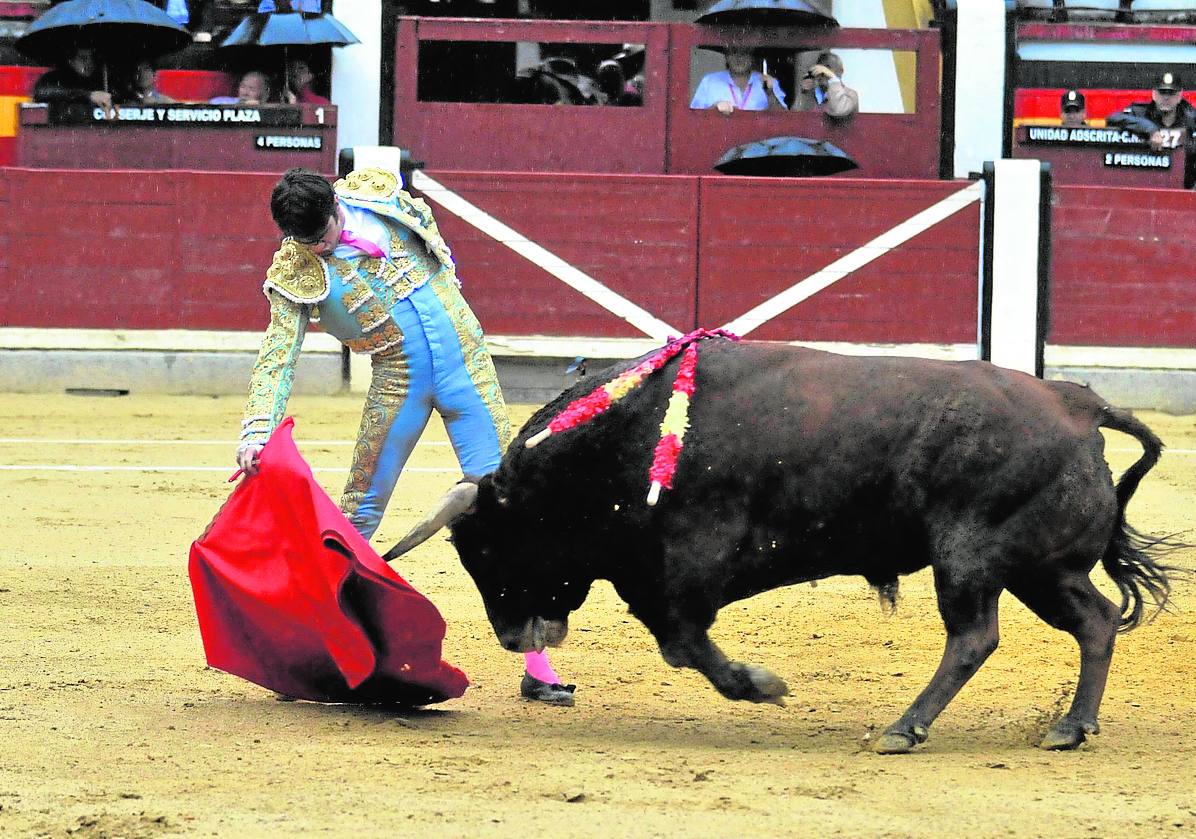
(365, 245)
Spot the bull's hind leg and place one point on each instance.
(969, 610)
(1070, 602)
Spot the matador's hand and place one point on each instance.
(247, 457)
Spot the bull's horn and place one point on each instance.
(452, 504)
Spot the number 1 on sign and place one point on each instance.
(320, 115)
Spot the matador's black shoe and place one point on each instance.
(555, 694)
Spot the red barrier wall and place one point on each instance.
(637, 235)
(1121, 267)
(135, 250)
(156, 250)
(7, 281)
(760, 236)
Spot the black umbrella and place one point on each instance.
(785, 157)
(289, 29)
(114, 28)
(769, 13)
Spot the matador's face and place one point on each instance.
(327, 240)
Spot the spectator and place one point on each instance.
(1167, 120)
(78, 81)
(145, 90)
(631, 62)
(822, 88)
(613, 87)
(298, 90)
(253, 89)
(555, 81)
(739, 87)
(1072, 111)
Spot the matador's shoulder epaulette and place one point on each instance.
(297, 274)
(370, 184)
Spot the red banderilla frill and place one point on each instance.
(676, 418)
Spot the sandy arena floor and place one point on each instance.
(110, 725)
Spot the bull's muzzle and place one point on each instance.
(534, 635)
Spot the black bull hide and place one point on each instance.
(800, 465)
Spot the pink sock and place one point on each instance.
(539, 667)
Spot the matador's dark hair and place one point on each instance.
(301, 203)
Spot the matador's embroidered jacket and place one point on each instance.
(353, 298)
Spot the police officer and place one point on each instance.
(1073, 112)
(1168, 120)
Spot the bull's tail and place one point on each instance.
(1131, 558)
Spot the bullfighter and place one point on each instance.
(366, 260)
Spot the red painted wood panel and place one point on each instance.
(14, 10)
(208, 149)
(135, 250)
(758, 237)
(1103, 31)
(664, 135)
(634, 234)
(884, 145)
(532, 138)
(1121, 267)
(6, 223)
(158, 250)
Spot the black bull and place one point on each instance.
(800, 465)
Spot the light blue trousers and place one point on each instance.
(424, 373)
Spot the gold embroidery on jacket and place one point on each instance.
(370, 184)
(372, 315)
(273, 374)
(415, 215)
(356, 296)
(401, 282)
(388, 335)
(297, 274)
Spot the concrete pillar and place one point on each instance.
(1014, 301)
(355, 73)
(979, 84)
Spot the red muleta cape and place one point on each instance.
(291, 597)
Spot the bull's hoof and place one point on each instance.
(768, 686)
(900, 741)
(1067, 734)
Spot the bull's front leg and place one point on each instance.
(684, 643)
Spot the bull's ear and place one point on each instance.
(456, 502)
